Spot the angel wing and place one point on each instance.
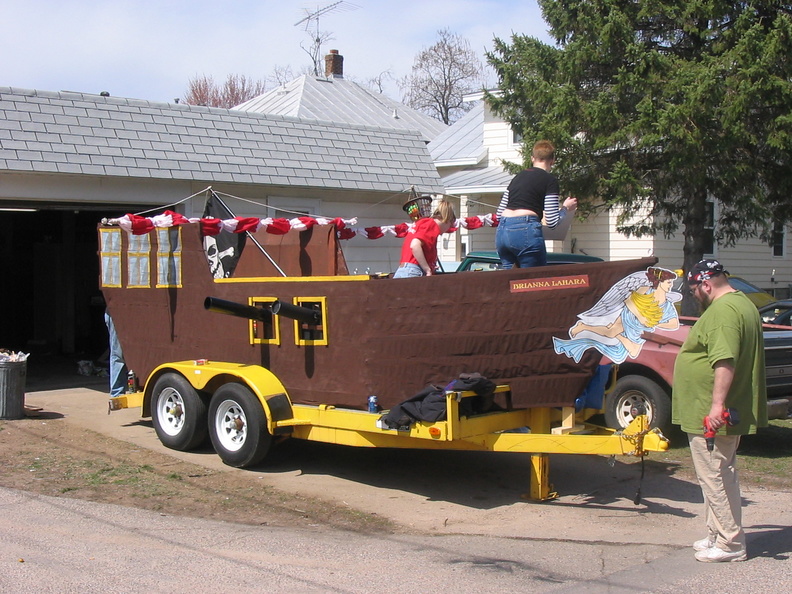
(673, 296)
(610, 305)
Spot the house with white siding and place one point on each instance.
(469, 156)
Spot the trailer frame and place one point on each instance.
(539, 431)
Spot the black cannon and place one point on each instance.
(277, 307)
(306, 315)
(239, 310)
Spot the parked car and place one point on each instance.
(759, 297)
(487, 261)
(778, 313)
(647, 379)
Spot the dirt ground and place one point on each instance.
(72, 448)
(58, 459)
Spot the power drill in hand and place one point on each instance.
(730, 415)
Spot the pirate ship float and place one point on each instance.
(306, 344)
(335, 338)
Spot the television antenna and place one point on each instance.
(317, 37)
(341, 5)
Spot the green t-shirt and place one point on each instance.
(729, 329)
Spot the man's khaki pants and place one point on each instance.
(717, 476)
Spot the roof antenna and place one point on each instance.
(318, 37)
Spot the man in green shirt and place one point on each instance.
(720, 366)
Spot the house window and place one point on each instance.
(779, 239)
(516, 137)
(288, 208)
(169, 253)
(264, 331)
(709, 228)
(138, 261)
(110, 250)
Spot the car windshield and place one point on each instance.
(736, 283)
(743, 285)
(777, 313)
(487, 261)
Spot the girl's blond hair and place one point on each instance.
(444, 212)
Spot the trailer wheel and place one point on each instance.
(238, 426)
(178, 413)
(633, 390)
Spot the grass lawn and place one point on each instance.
(764, 459)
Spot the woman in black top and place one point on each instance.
(531, 195)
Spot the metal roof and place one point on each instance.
(335, 99)
(462, 145)
(485, 180)
(75, 133)
(463, 142)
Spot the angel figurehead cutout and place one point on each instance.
(638, 303)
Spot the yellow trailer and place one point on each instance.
(248, 410)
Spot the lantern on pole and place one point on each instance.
(418, 207)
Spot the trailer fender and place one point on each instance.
(207, 377)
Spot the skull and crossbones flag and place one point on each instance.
(222, 250)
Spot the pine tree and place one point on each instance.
(657, 106)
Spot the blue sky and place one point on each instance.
(149, 49)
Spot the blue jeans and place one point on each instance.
(118, 369)
(408, 271)
(519, 242)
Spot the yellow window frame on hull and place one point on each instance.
(138, 254)
(169, 258)
(300, 326)
(275, 326)
(110, 251)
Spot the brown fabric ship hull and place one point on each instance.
(384, 337)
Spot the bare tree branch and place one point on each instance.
(314, 51)
(378, 82)
(203, 90)
(280, 75)
(441, 76)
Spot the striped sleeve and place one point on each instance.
(551, 210)
(503, 203)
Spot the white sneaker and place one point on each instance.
(704, 543)
(716, 555)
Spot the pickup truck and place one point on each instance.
(648, 378)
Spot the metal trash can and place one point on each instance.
(12, 389)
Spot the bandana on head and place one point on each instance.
(705, 270)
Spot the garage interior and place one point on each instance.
(51, 302)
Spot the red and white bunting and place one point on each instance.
(137, 225)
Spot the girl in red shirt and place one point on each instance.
(419, 250)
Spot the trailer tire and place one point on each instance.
(238, 426)
(637, 389)
(178, 413)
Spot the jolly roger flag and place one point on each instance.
(222, 250)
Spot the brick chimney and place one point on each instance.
(334, 65)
